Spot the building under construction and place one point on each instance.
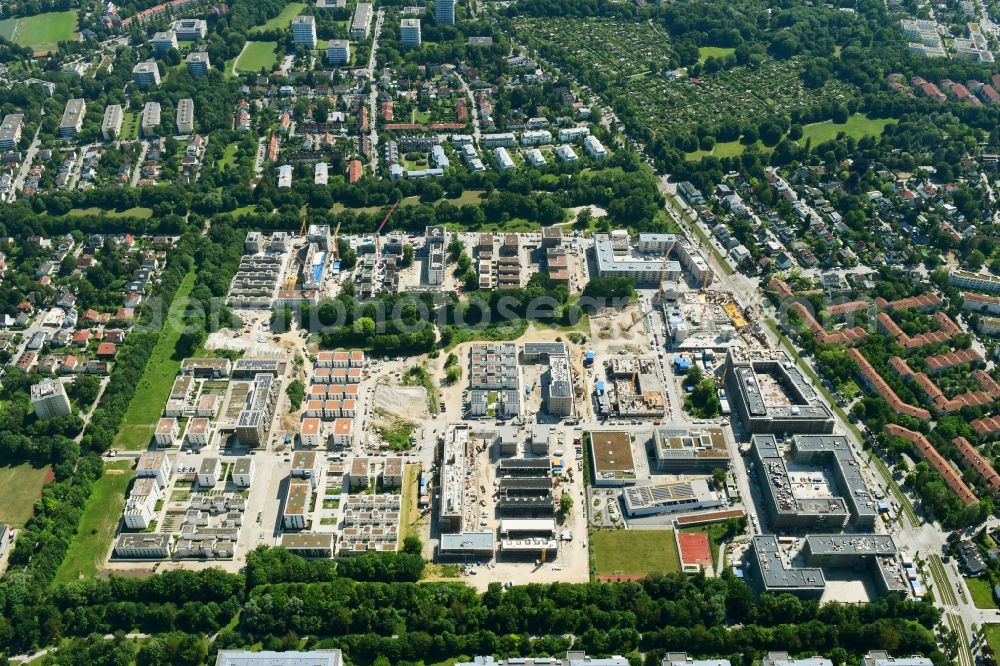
(636, 389)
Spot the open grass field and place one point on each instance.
(858, 126)
(722, 149)
(20, 486)
(41, 32)
(706, 52)
(992, 633)
(982, 592)
(98, 524)
(634, 552)
(138, 211)
(228, 156)
(147, 404)
(282, 20)
(130, 126)
(257, 56)
(409, 517)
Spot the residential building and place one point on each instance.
(189, 30)
(294, 514)
(185, 116)
(210, 472)
(310, 433)
(304, 31)
(268, 658)
(976, 281)
(10, 130)
(243, 472)
(72, 118)
(198, 63)
(681, 659)
(503, 159)
(771, 395)
(361, 22)
(565, 153)
(111, 126)
(143, 546)
(146, 74)
(409, 32)
(166, 431)
(285, 175)
(198, 432)
(338, 52)
(342, 430)
(154, 465)
(150, 122)
(845, 500)
(594, 148)
(49, 399)
(785, 659)
(164, 41)
(882, 658)
(444, 12)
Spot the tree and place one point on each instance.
(407, 255)
(453, 374)
(565, 504)
(296, 391)
(719, 478)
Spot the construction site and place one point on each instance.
(635, 387)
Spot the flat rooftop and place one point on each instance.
(612, 451)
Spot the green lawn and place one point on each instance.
(228, 156)
(467, 197)
(857, 126)
(992, 633)
(89, 547)
(722, 149)
(409, 517)
(41, 32)
(138, 211)
(130, 126)
(421, 117)
(151, 395)
(634, 552)
(282, 20)
(706, 52)
(21, 486)
(982, 592)
(257, 55)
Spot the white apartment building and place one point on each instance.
(49, 399)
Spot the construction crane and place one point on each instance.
(302, 229)
(386, 218)
(663, 274)
(336, 243)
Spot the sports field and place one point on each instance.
(634, 552)
(20, 486)
(282, 20)
(257, 55)
(42, 32)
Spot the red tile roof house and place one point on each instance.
(978, 462)
(931, 455)
(106, 350)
